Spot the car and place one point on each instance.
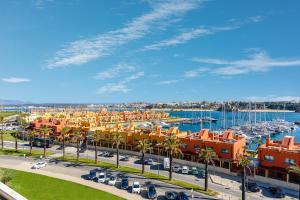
(277, 192)
(151, 191)
(194, 171)
(110, 154)
(149, 161)
(253, 187)
(124, 183)
(136, 187)
(39, 165)
(101, 177)
(112, 180)
(176, 168)
(101, 153)
(105, 153)
(201, 173)
(125, 158)
(171, 195)
(185, 170)
(92, 175)
(182, 196)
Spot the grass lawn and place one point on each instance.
(21, 152)
(146, 174)
(37, 187)
(8, 113)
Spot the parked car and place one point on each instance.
(105, 153)
(194, 171)
(176, 168)
(124, 183)
(125, 158)
(39, 165)
(110, 154)
(101, 177)
(171, 195)
(101, 153)
(185, 170)
(92, 175)
(201, 173)
(112, 180)
(182, 196)
(277, 192)
(151, 192)
(149, 161)
(253, 187)
(136, 187)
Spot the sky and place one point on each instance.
(106, 51)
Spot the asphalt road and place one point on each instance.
(230, 191)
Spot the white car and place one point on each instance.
(112, 180)
(136, 187)
(39, 165)
(176, 168)
(101, 178)
(185, 170)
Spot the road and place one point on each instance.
(230, 189)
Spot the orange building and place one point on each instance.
(227, 145)
(279, 154)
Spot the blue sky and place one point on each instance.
(124, 51)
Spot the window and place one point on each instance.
(269, 158)
(197, 148)
(225, 151)
(289, 161)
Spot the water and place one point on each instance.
(234, 118)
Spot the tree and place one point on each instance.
(23, 122)
(244, 162)
(208, 155)
(15, 135)
(296, 170)
(117, 139)
(63, 133)
(45, 131)
(6, 175)
(172, 146)
(2, 132)
(143, 146)
(78, 138)
(30, 136)
(96, 138)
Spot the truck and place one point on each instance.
(166, 163)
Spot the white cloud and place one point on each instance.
(273, 98)
(115, 71)
(256, 18)
(256, 62)
(15, 80)
(168, 82)
(83, 51)
(195, 72)
(121, 86)
(40, 4)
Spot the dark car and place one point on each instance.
(182, 196)
(253, 187)
(276, 192)
(125, 158)
(151, 192)
(171, 195)
(124, 183)
(92, 175)
(110, 154)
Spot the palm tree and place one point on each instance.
(117, 139)
(45, 131)
(172, 146)
(78, 137)
(96, 138)
(63, 133)
(296, 170)
(15, 135)
(144, 146)
(23, 123)
(2, 131)
(244, 162)
(208, 155)
(30, 136)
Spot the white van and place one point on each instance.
(185, 170)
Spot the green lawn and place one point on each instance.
(130, 170)
(37, 187)
(8, 113)
(21, 152)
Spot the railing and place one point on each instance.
(9, 194)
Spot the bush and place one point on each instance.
(6, 176)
